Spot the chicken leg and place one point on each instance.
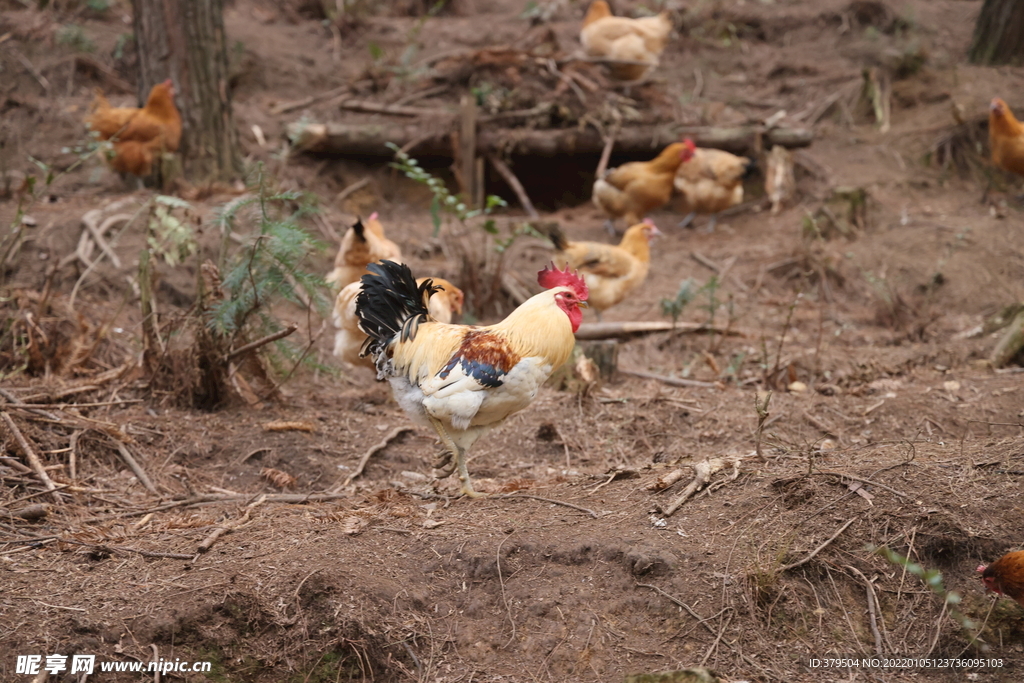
(685, 223)
(460, 460)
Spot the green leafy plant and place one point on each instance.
(74, 36)
(488, 287)
(210, 353)
(168, 235)
(99, 7)
(932, 578)
(674, 307)
(28, 194)
(121, 44)
(443, 200)
(405, 67)
(269, 265)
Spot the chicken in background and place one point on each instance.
(634, 189)
(1006, 138)
(1005, 576)
(139, 134)
(363, 244)
(463, 380)
(779, 181)
(710, 182)
(611, 272)
(349, 339)
(621, 38)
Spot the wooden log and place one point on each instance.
(369, 139)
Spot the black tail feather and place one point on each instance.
(558, 237)
(749, 168)
(359, 229)
(391, 304)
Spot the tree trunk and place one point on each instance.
(999, 33)
(184, 40)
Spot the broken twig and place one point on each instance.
(505, 172)
(553, 502)
(376, 448)
(30, 455)
(228, 528)
(810, 556)
(140, 473)
(280, 334)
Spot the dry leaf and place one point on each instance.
(431, 523)
(281, 480)
(353, 525)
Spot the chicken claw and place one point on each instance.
(445, 466)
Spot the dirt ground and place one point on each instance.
(897, 433)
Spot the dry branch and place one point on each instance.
(30, 455)
(15, 464)
(702, 475)
(394, 109)
(370, 139)
(140, 473)
(672, 381)
(618, 330)
(865, 481)
(285, 107)
(552, 501)
(810, 556)
(606, 153)
(15, 401)
(505, 172)
(228, 528)
(376, 448)
(280, 334)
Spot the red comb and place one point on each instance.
(552, 277)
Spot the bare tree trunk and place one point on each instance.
(184, 40)
(999, 33)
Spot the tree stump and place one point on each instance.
(605, 354)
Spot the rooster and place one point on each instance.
(349, 339)
(362, 244)
(611, 272)
(463, 380)
(1005, 576)
(639, 187)
(138, 134)
(711, 182)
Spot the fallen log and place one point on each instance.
(369, 140)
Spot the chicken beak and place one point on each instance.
(583, 304)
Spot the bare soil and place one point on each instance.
(899, 426)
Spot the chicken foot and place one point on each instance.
(685, 223)
(444, 464)
(460, 460)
